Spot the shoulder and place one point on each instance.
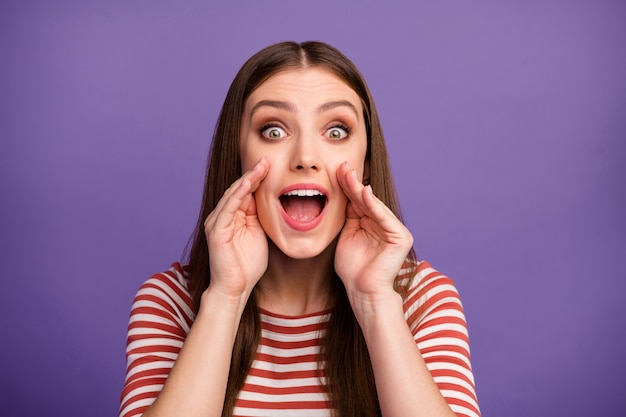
(167, 294)
(174, 282)
(435, 316)
(429, 293)
(420, 278)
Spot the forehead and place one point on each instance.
(313, 85)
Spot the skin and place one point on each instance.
(357, 235)
(311, 147)
(306, 123)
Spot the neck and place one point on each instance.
(296, 287)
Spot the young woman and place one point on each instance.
(302, 295)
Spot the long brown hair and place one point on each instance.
(347, 367)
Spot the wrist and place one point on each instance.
(216, 300)
(371, 309)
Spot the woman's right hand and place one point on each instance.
(238, 251)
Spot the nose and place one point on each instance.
(306, 153)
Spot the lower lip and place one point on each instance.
(302, 227)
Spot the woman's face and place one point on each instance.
(306, 122)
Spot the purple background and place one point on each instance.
(506, 123)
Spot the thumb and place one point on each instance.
(250, 205)
(351, 212)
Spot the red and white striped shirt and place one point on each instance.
(285, 378)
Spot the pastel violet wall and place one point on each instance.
(506, 124)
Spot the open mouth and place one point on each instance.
(303, 206)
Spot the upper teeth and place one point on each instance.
(303, 193)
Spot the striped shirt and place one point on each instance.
(285, 379)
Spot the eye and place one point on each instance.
(273, 132)
(338, 132)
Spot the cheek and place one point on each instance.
(249, 152)
(247, 161)
(357, 162)
(355, 156)
(265, 193)
(359, 166)
(263, 204)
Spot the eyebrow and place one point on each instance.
(281, 105)
(334, 104)
(290, 107)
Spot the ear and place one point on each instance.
(366, 173)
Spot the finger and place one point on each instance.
(364, 204)
(342, 176)
(254, 175)
(363, 199)
(239, 194)
(209, 223)
(353, 190)
(258, 173)
(374, 207)
(382, 216)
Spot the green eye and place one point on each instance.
(273, 132)
(337, 133)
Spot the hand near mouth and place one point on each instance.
(236, 241)
(373, 243)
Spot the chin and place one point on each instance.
(302, 249)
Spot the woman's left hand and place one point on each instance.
(373, 243)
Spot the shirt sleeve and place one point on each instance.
(435, 316)
(160, 319)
